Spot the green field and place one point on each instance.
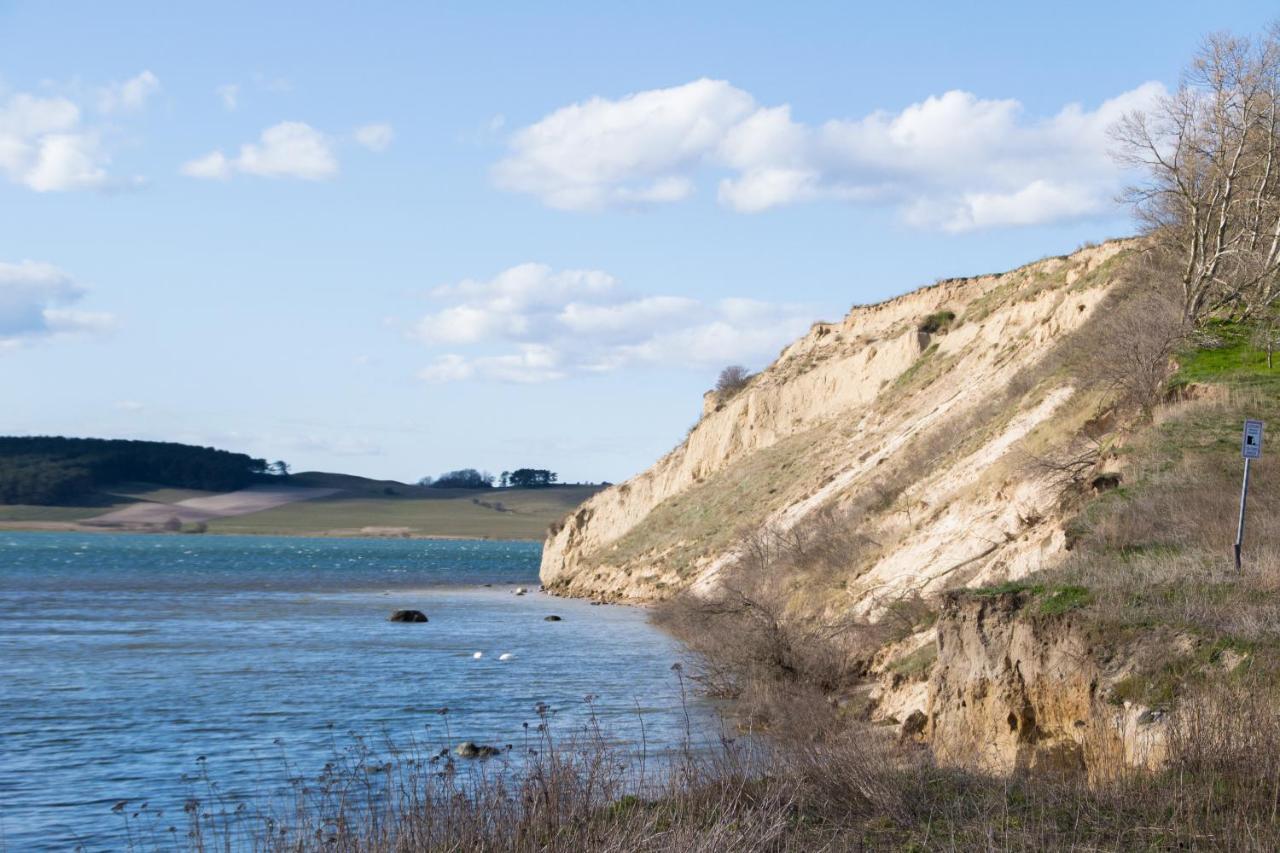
(361, 507)
(524, 513)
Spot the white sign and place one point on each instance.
(1252, 446)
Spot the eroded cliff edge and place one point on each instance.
(907, 412)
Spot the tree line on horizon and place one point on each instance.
(52, 470)
(471, 478)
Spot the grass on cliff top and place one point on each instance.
(1153, 558)
(1228, 356)
(1024, 285)
(1050, 600)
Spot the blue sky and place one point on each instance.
(393, 239)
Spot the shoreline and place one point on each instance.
(75, 527)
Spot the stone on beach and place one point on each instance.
(408, 616)
(468, 749)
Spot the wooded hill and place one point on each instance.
(50, 470)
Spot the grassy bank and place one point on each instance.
(358, 507)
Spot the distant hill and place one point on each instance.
(101, 484)
(52, 470)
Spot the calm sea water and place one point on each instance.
(126, 658)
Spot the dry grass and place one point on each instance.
(709, 515)
(838, 788)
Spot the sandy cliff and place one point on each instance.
(916, 429)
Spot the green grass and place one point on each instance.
(525, 513)
(1053, 600)
(1234, 361)
(1065, 599)
(24, 513)
(938, 321)
(1161, 687)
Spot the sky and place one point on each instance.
(394, 239)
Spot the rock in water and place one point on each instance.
(551, 618)
(467, 749)
(408, 616)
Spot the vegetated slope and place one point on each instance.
(908, 415)
(996, 514)
(52, 470)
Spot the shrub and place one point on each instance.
(732, 380)
(938, 321)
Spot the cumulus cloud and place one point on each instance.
(531, 323)
(44, 146)
(36, 301)
(290, 149)
(954, 161)
(130, 95)
(638, 149)
(376, 137)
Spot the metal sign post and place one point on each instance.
(1250, 449)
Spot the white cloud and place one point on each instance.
(531, 323)
(229, 94)
(448, 368)
(375, 137)
(213, 165)
(638, 149)
(952, 161)
(290, 149)
(35, 300)
(129, 96)
(130, 406)
(44, 147)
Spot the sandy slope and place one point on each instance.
(243, 502)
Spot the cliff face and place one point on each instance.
(907, 412)
(1015, 690)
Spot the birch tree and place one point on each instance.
(1210, 194)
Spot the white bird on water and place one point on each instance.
(505, 656)
(478, 655)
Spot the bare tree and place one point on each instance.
(732, 380)
(1133, 352)
(1211, 196)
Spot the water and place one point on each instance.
(125, 658)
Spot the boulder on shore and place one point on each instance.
(408, 616)
(468, 749)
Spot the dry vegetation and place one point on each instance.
(820, 786)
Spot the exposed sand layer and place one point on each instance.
(243, 502)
